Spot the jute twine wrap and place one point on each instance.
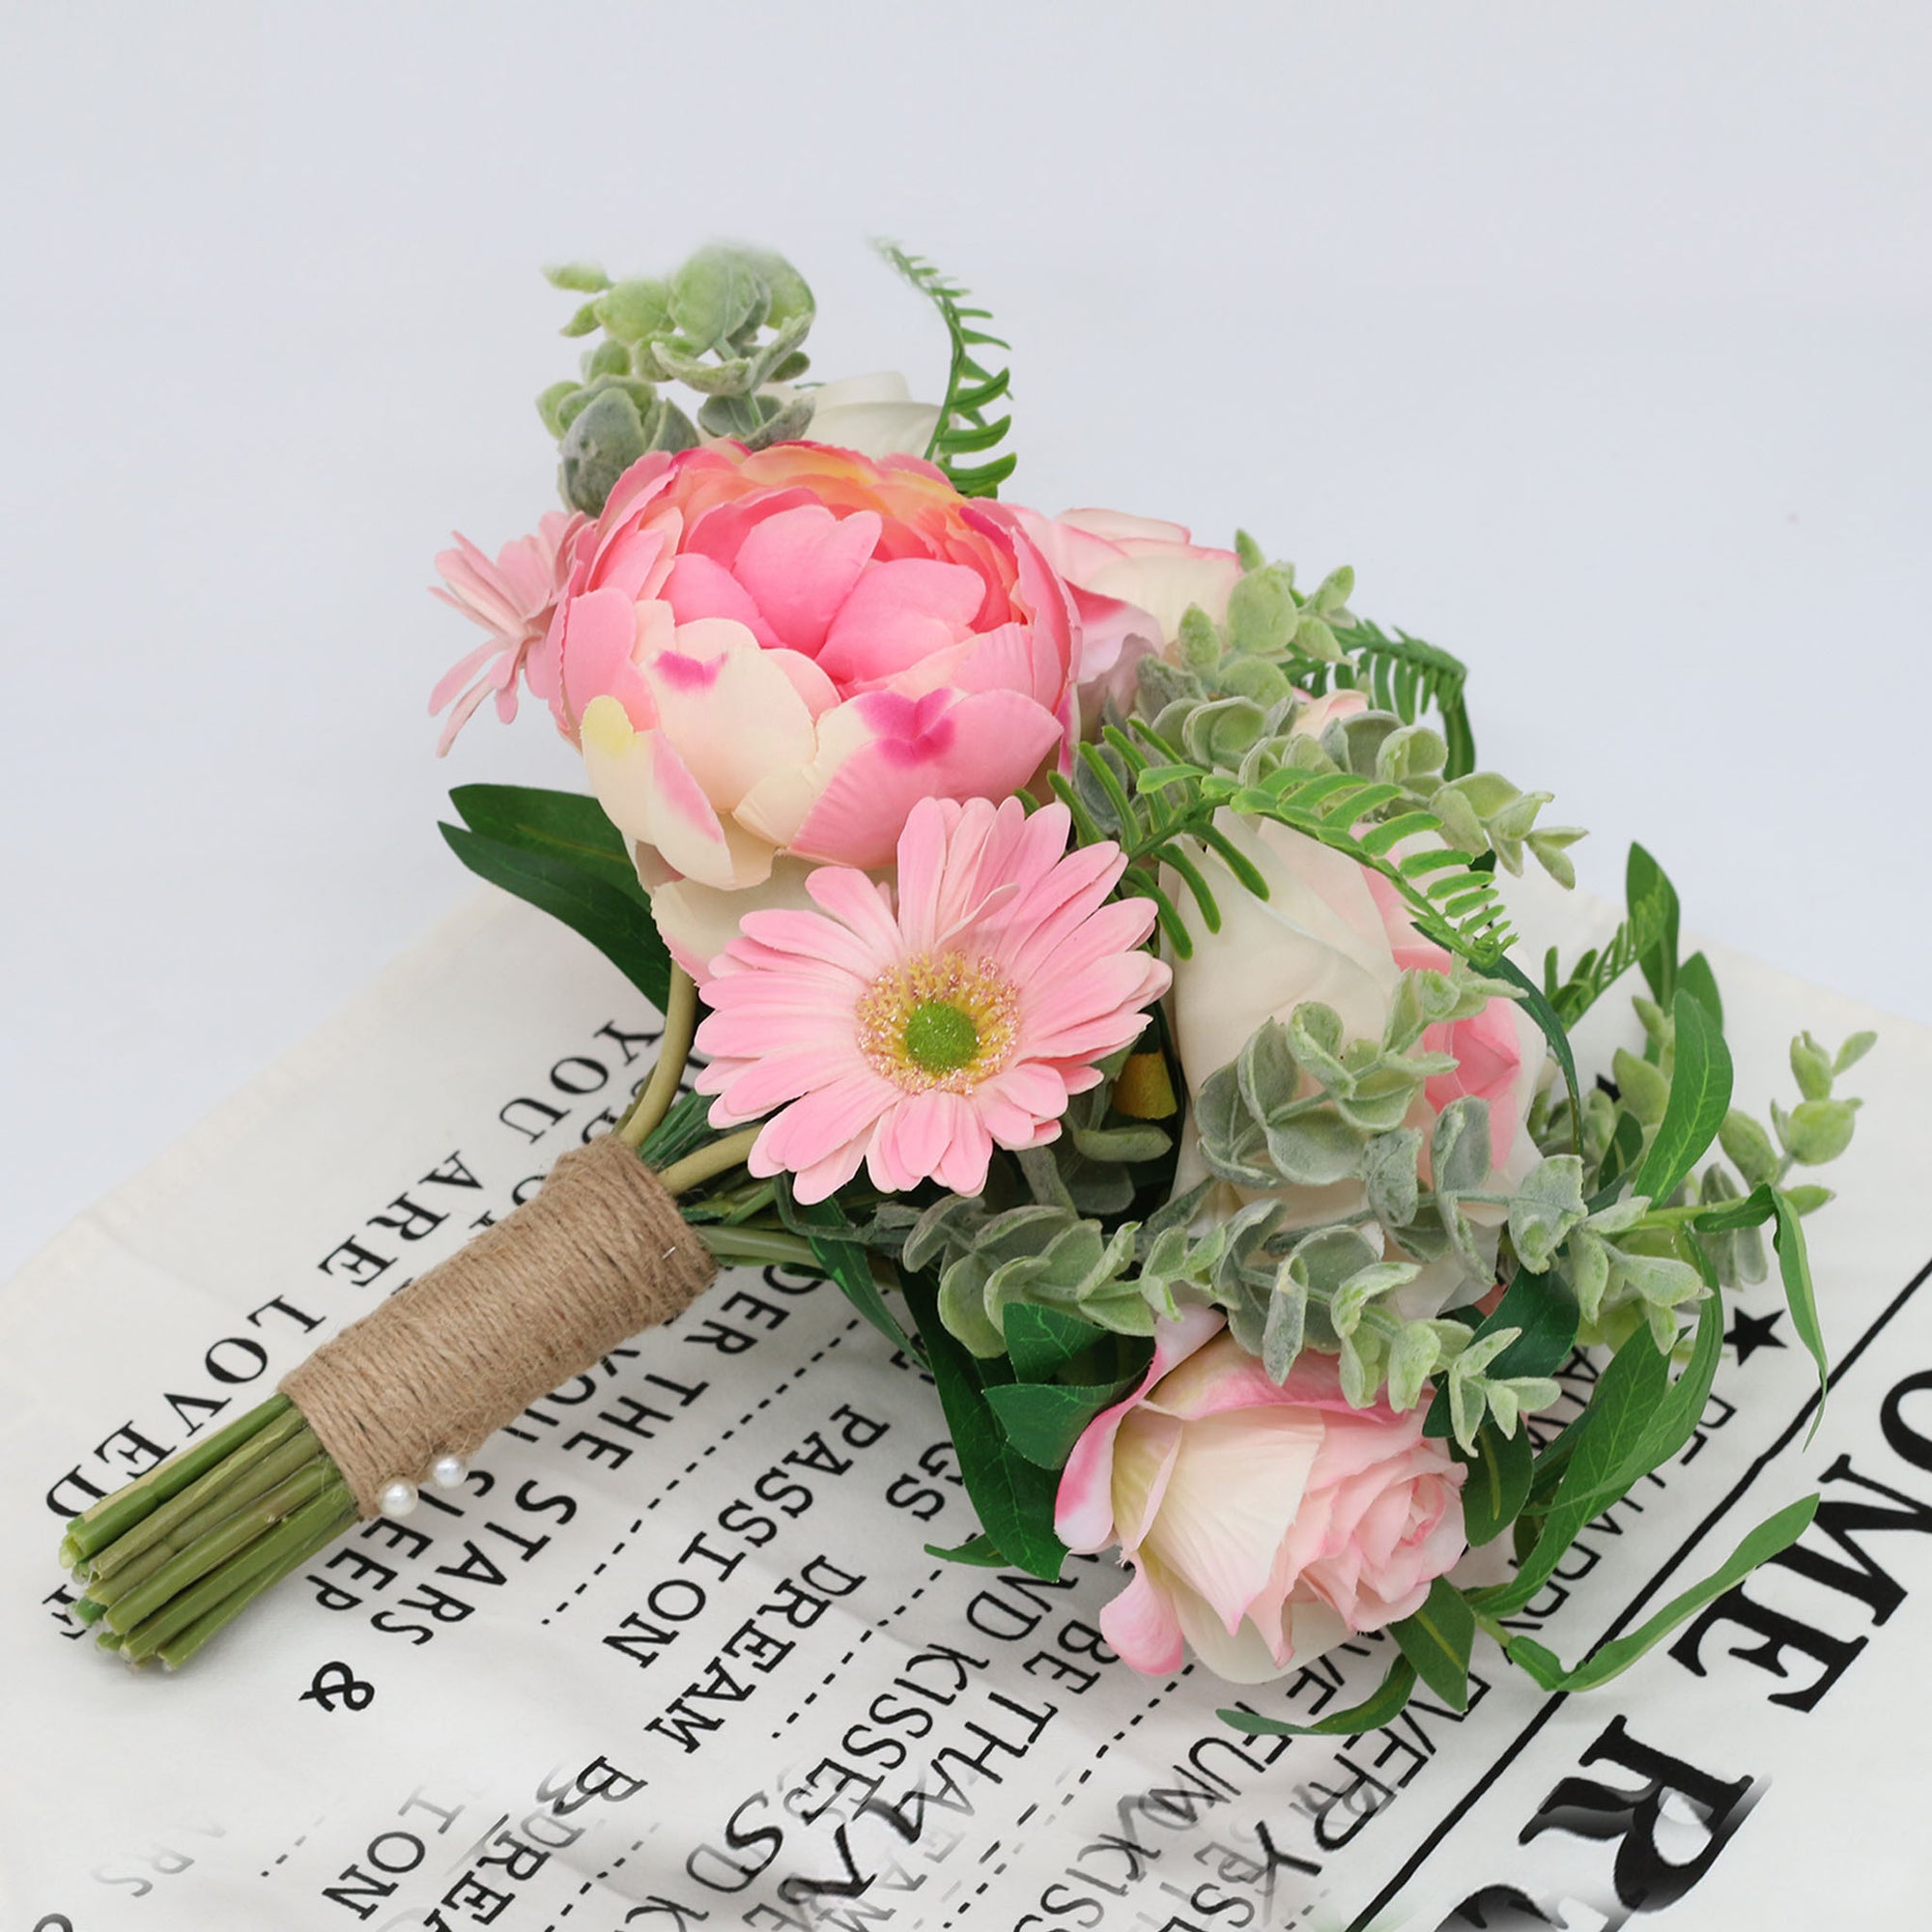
(599, 1254)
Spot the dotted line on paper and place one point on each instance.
(865, 1637)
(690, 1467)
(268, 1872)
(591, 1885)
(1067, 1798)
(1134, 1722)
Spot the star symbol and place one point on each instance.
(1749, 1333)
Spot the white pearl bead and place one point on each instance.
(398, 1498)
(447, 1472)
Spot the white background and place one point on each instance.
(1595, 337)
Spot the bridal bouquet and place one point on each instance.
(1090, 951)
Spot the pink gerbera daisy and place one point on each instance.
(915, 1040)
(513, 599)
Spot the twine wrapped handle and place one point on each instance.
(599, 1254)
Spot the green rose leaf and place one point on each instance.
(1497, 1485)
(1701, 1098)
(1775, 1533)
(1644, 881)
(1383, 1708)
(613, 919)
(1045, 1420)
(1436, 1641)
(849, 1266)
(1013, 1496)
(981, 1551)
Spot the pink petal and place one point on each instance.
(896, 616)
(698, 588)
(1236, 1484)
(910, 1142)
(458, 673)
(1083, 1511)
(829, 1116)
(800, 566)
(1145, 1452)
(851, 896)
(596, 633)
(986, 746)
(1141, 1625)
(730, 709)
(969, 1148)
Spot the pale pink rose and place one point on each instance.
(513, 599)
(1332, 931)
(1264, 1524)
(1132, 579)
(768, 659)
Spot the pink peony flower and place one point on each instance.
(1132, 579)
(919, 1038)
(513, 599)
(768, 659)
(1264, 1524)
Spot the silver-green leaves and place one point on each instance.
(1302, 1106)
(729, 326)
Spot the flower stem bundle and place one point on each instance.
(170, 1559)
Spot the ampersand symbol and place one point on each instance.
(335, 1681)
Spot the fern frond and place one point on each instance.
(1450, 898)
(1596, 972)
(972, 387)
(1398, 673)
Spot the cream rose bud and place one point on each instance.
(875, 415)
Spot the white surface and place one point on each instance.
(237, 1801)
(1593, 337)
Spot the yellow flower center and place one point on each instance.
(938, 1022)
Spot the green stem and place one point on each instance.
(759, 1245)
(238, 1571)
(673, 1052)
(281, 1552)
(198, 1494)
(316, 1478)
(708, 1162)
(1492, 1628)
(296, 1453)
(100, 1524)
(746, 1204)
(109, 1589)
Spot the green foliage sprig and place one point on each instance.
(1401, 674)
(1278, 638)
(1155, 810)
(972, 388)
(728, 325)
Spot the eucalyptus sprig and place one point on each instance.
(728, 325)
